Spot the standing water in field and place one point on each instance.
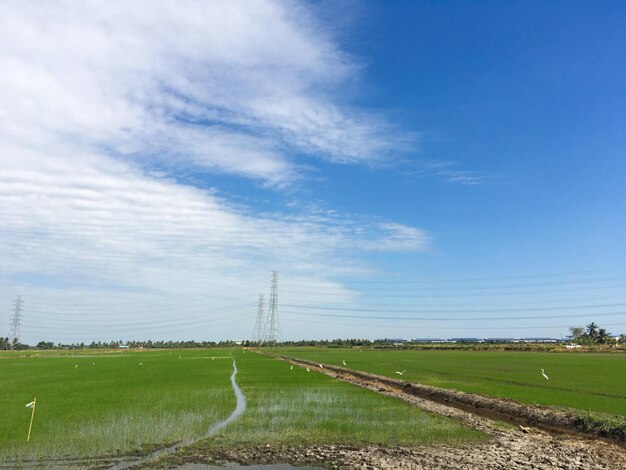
(238, 411)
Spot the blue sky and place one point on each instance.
(389, 159)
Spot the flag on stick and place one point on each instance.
(32, 405)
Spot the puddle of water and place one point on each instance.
(234, 466)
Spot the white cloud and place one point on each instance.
(231, 86)
(131, 237)
(448, 171)
(94, 96)
(103, 211)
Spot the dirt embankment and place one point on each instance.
(509, 447)
(491, 407)
(501, 454)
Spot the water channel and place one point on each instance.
(238, 411)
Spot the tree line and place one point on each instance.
(149, 344)
(587, 335)
(590, 334)
(6, 344)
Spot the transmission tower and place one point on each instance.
(257, 334)
(16, 321)
(271, 331)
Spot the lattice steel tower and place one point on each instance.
(16, 321)
(271, 331)
(257, 334)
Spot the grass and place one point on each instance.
(602, 424)
(118, 405)
(588, 382)
(288, 406)
(114, 405)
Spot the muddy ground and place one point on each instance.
(501, 453)
(544, 417)
(510, 446)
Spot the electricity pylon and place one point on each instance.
(16, 321)
(257, 334)
(271, 330)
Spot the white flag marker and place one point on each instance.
(32, 405)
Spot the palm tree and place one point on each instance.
(576, 332)
(592, 330)
(603, 336)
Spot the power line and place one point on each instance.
(74, 332)
(529, 317)
(478, 310)
(234, 291)
(165, 313)
(142, 324)
(460, 280)
(378, 325)
(480, 287)
(372, 293)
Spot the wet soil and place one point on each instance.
(502, 452)
(503, 409)
(509, 447)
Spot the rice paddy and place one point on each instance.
(89, 405)
(293, 406)
(112, 403)
(589, 382)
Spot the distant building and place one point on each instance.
(541, 340)
(483, 340)
(502, 340)
(121, 346)
(467, 340)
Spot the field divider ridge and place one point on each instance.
(548, 419)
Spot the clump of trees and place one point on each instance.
(338, 342)
(590, 334)
(148, 344)
(6, 344)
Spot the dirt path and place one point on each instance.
(509, 447)
(547, 418)
(502, 453)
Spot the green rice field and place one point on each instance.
(294, 406)
(96, 403)
(589, 382)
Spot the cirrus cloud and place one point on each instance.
(95, 97)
